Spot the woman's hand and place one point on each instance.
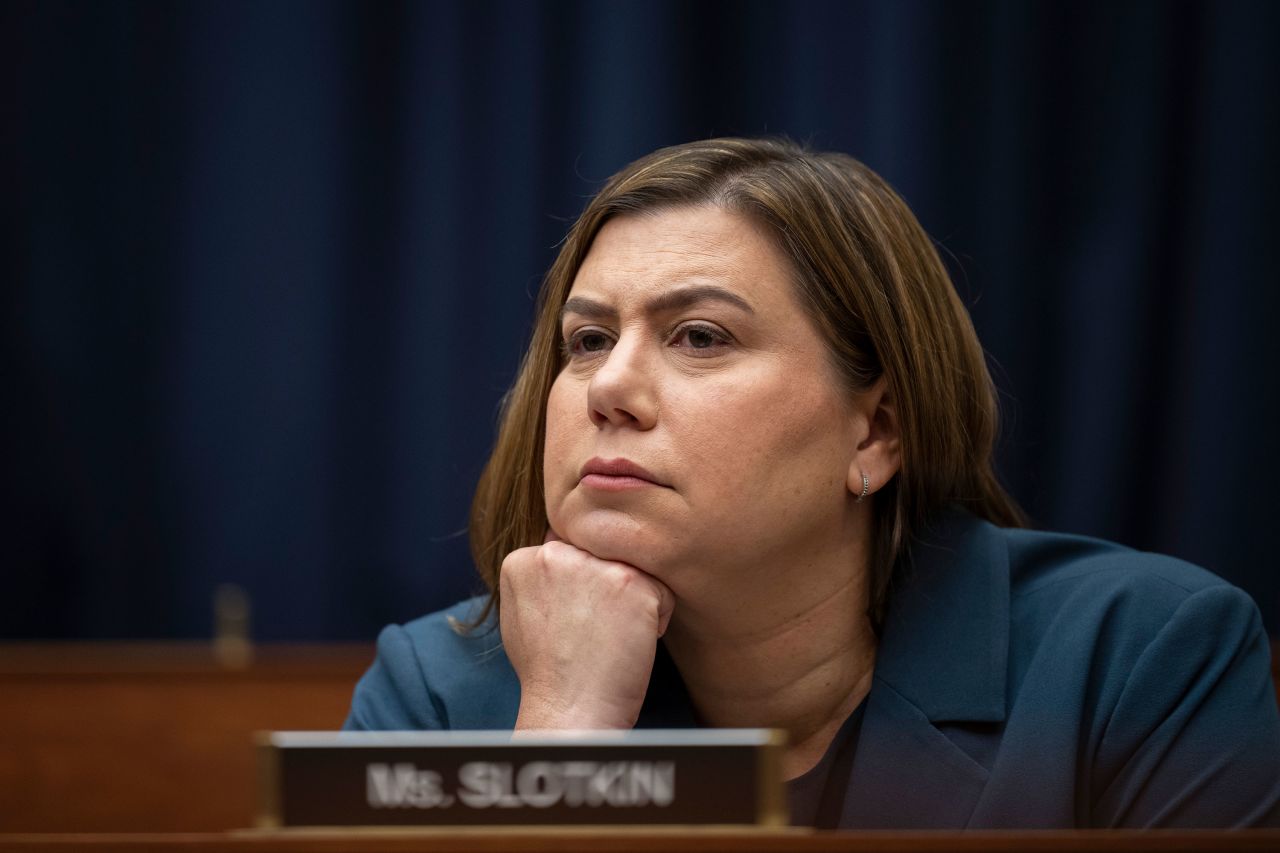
(581, 633)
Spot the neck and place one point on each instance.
(800, 659)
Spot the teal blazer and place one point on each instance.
(1023, 680)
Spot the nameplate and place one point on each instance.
(652, 776)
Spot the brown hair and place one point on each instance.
(873, 284)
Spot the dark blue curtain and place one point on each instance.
(269, 267)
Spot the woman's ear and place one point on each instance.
(878, 455)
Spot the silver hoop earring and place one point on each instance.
(866, 488)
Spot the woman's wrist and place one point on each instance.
(543, 715)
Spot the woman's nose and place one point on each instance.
(622, 392)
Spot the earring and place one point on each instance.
(866, 487)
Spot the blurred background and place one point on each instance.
(268, 267)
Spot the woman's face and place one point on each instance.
(689, 355)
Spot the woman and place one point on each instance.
(744, 479)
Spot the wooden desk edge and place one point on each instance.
(580, 839)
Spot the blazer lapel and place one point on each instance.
(906, 774)
(942, 658)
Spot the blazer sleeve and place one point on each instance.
(393, 694)
(1194, 738)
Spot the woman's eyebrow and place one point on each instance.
(588, 308)
(683, 297)
(671, 300)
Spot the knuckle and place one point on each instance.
(549, 557)
(516, 563)
(562, 551)
(618, 575)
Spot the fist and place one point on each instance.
(581, 633)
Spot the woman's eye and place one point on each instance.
(593, 342)
(700, 338)
(586, 342)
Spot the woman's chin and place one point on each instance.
(617, 537)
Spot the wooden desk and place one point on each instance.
(651, 841)
(118, 738)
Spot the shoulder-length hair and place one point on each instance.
(872, 282)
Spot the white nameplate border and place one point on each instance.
(713, 777)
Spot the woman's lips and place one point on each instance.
(608, 483)
(616, 475)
